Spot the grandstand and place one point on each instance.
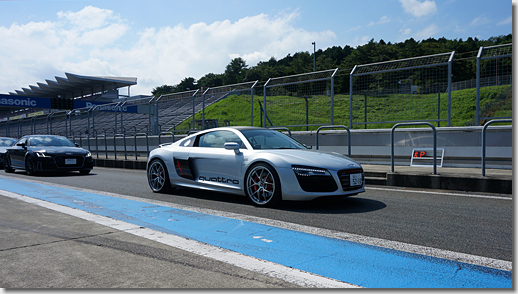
(92, 106)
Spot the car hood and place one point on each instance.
(314, 158)
(3, 149)
(60, 150)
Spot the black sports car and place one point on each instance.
(38, 153)
(4, 144)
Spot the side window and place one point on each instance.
(22, 140)
(217, 139)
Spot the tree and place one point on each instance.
(234, 70)
(163, 90)
(187, 84)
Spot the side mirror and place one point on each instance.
(77, 144)
(232, 146)
(21, 145)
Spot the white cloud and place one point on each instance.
(89, 42)
(482, 20)
(508, 20)
(384, 19)
(417, 8)
(428, 32)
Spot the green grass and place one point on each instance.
(290, 111)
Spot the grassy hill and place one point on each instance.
(378, 111)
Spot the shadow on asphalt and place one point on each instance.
(329, 205)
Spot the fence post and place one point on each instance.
(351, 97)
(477, 109)
(450, 73)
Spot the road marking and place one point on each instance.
(274, 270)
(440, 193)
(240, 233)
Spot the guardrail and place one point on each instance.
(147, 144)
(333, 127)
(414, 124)
(484, 140)
(164, 133)
(115, 145)
(281, 128)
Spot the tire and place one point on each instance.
(262, 185)
(29, 166)
(7, 164)
(84, 172)
(158, 177)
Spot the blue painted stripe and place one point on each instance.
(355, 263)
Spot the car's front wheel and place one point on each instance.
(262, 185)
(29, 166)
(158, 177)
(7, 164)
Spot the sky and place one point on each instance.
(160, 42)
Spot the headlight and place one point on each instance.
(42, 154)
(307, 171)
(88, 154)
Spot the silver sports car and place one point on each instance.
(265, 165)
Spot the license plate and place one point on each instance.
(356, 180)
(70, 161)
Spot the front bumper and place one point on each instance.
(292, 190)
(60, 163)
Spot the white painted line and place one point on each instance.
(416, 190)
(274, 270)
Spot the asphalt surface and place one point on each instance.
(42, 248)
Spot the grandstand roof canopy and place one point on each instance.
(75, 86)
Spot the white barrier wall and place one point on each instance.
(462, 145)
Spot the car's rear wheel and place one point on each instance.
(29, 166)
(7, 164)
(262, 185)
(158, 177)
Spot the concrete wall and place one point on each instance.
(462, 145)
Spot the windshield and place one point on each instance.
(7, 142)
(49, 141)
(270, 139)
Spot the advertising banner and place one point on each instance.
(23, 101)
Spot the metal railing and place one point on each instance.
(337, 126)
(484, 140)
(414, 124)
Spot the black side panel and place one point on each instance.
(184, 168)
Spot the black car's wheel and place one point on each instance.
(7, 164)
(29, 166)
(262, 185)
(84, 172)
(158, 177)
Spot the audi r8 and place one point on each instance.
(40, 153)
(265, 165)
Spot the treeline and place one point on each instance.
(237, 71)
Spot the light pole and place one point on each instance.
(314, 56)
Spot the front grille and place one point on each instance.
(60, 161)
(345, 178)
(317, 183)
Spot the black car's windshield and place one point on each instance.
(7, 142)
(50, 141)
(270, 139)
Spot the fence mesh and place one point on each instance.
(495, 94)
(401, 90)
(300, 101)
